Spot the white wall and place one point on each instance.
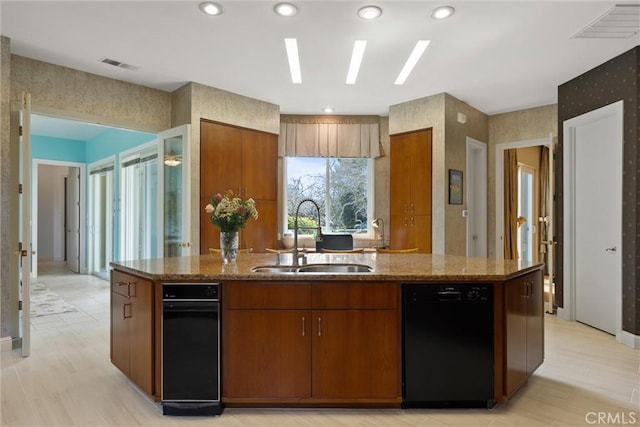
(51, 212)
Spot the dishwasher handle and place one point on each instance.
(449, 296)
(190, 307)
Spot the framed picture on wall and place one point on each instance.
(455, 187)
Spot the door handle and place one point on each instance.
(319, 326)
(303, 328)
(611, 249)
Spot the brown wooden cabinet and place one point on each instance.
(410, 204)
(524, 329)
(132, 328)
(244, 161)
(320, 342)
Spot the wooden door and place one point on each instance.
(355, 354)
(267, 354)
(515, 334)
(141, 335)
(120, 343)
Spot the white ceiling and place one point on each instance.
(498, 56)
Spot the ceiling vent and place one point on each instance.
(620, 22)
(118, 64)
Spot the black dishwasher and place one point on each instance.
(448, 356)
(191, 349)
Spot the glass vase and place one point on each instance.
(229, 246)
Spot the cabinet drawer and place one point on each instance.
(125, 284)
(266, 295)
(355, 295)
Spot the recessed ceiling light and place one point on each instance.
(442, 12)
(356, 60)
(294, 60)
(210, 8)
(285, 9)
(416, 53)
(369, 12)
(327, 110)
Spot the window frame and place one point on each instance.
(370, 233)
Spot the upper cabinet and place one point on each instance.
(411, 191)
(244, 161)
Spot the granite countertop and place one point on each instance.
(386, 267)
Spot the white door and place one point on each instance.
(72, 219)
(476, 186)
(175, 192)
(21, 268)
(595, 219)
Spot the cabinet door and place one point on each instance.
(141, 335)
(535, 321)
(262, 233)
(420, 233)
(120, 348)
(400, 185)
(259, 165)
(515, 334)
(220, 159)
(267, 354)
(355, 354)
(420, 203)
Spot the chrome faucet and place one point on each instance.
(296, 228)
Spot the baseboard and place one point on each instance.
(6, 344)
(630, 340)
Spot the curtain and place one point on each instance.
(545, 211)
(329, 140)
(510, 238)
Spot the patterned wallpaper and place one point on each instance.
(617, 79)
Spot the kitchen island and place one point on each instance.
(313, 339)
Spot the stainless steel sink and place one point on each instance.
(335, 268)
(275, 269)
(313, 268)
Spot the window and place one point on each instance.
(342, 187)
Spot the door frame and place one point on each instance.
(568, 311)
(479, 191)
(499, 179)
(107, 161)
(34, 209)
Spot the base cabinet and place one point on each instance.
(524, 329)
(132, 328)
(267, 354)
(284, 350)
(355, 354)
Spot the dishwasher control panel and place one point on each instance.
(190, 291)
(454, 293)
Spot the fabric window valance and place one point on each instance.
(329, 140)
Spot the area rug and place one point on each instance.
(45, 302)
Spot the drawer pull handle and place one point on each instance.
(124, 311)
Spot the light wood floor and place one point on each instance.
(69, 381)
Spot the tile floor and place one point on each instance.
(69, 381)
